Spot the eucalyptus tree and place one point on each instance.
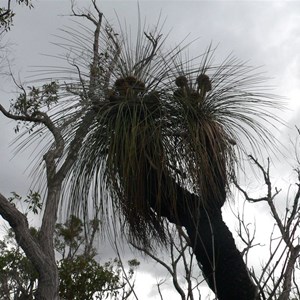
(149, 137)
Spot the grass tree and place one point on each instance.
(149, 137)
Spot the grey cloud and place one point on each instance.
(266, 33)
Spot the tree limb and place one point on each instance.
(29, 244)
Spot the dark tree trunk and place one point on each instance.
(222, 263)
(212, 242)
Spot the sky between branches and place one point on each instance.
(265, 33)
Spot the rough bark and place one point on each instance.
(212, 242)
(222, 263)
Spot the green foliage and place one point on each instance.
(81, 275)
(5, 18)
(31, 102)
(18, 278)
(7, 14)
(33, 201)
(69, 233)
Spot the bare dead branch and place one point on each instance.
(84, 15)
(154, 42)
(37, 118)
(276, 285)
(124, 272)
(295, 209)
(287, 283)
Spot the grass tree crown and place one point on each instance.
(153, 122)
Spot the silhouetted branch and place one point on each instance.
(270, 282)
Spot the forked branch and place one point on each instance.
(287, 227)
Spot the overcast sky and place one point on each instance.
(265, 33)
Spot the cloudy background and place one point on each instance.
(264, 33)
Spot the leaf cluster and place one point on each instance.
(18, 278)
(7, 14)
(81, 275)
(33, 201)
(30, 102)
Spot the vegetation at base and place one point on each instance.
(81, 274)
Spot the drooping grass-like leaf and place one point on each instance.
(152, 122)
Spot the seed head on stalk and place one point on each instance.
(152, 122)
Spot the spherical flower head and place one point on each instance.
(134, 83)
(204, 83)
(121, 85)
(129, 84)
(181, 81)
